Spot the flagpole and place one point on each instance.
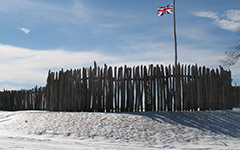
(177, 78)
(175, 35)
(169, 10)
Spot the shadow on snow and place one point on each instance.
(225, 122)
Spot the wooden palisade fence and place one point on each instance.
(141, 88)
(33, 99)
(120, 89)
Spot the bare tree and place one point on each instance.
(232, 55)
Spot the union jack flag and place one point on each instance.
(165, 10)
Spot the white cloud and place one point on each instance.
(228, 25)
(233, 15)
(21, 66)
(230, 20)
(26, 66)
(207, 14)
(25, 30)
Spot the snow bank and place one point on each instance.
(147, 130)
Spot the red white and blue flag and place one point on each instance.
(165, 10)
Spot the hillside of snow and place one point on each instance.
(135, 130)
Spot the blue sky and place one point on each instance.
(38, 35)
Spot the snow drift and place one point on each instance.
(146, 130)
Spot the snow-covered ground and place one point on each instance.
(136, 130)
